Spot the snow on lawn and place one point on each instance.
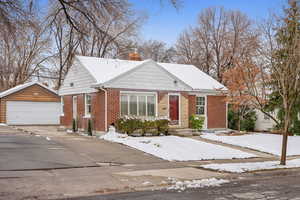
(269, 143)
(253, 166)
(176, 148)
(182, 185)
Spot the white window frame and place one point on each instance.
(62, 105)
(204, 106)
(128, 93)
(87, 115)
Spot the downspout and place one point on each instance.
(105, 107)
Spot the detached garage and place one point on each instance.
(30, 104)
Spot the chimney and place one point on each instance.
(134, 56)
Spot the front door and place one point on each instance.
(74, 107)
(174, 109)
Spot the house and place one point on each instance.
(103, 89)
(30, 104)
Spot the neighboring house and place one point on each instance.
(264, 122)
(30, 104)
(104, 89)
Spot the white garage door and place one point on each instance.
(32, 113)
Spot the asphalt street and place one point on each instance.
(279, 185)
(25, 152)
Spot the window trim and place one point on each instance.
(136, 93)
(86, 114)
(62, 105)
(205, 109)
(204, 106)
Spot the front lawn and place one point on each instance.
(269, 143)
(174, 148)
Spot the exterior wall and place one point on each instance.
(163, 104)
(81, 79)
(97, 115)
(32, 93)
(192, 105)
(263, 124)
(163, 108)
(216, 112)
(216, 109)
(150, 76)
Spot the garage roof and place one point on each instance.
(23, 86)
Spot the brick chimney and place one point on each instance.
(134, 56)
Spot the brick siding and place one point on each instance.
(216, 112)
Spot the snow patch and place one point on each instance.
(2, 124)
(174, 148)
(254, 166)
(269, 143)
(48, 138)
(183, 185)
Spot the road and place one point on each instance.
(279, 185)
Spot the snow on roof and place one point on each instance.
(103, 70)
(192, 76)
(23, 86)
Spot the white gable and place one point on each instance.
(104, 69)
(78, 80)
(148, 76)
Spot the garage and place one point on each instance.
(29, 112)
(30, 104)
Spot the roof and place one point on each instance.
(23, 86)
(104, 70)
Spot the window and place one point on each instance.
(88, 104)
(138, 104)
(62, 105)
(200, 105)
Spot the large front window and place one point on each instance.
(200, 105)
(138, 104)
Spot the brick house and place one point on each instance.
(104, 89)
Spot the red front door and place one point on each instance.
(174, 108)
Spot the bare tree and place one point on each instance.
(219, 37)
(22, 56)
(286, 67)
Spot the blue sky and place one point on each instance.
(166, 23)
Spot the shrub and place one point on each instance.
(153, 125)
(196, 122)
(74, 125)
(248, 122)
(162, 126)
(89, 128)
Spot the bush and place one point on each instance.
(89, 128)
(248, 122)
(74, 125)
(196, 122)
(155, 126)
